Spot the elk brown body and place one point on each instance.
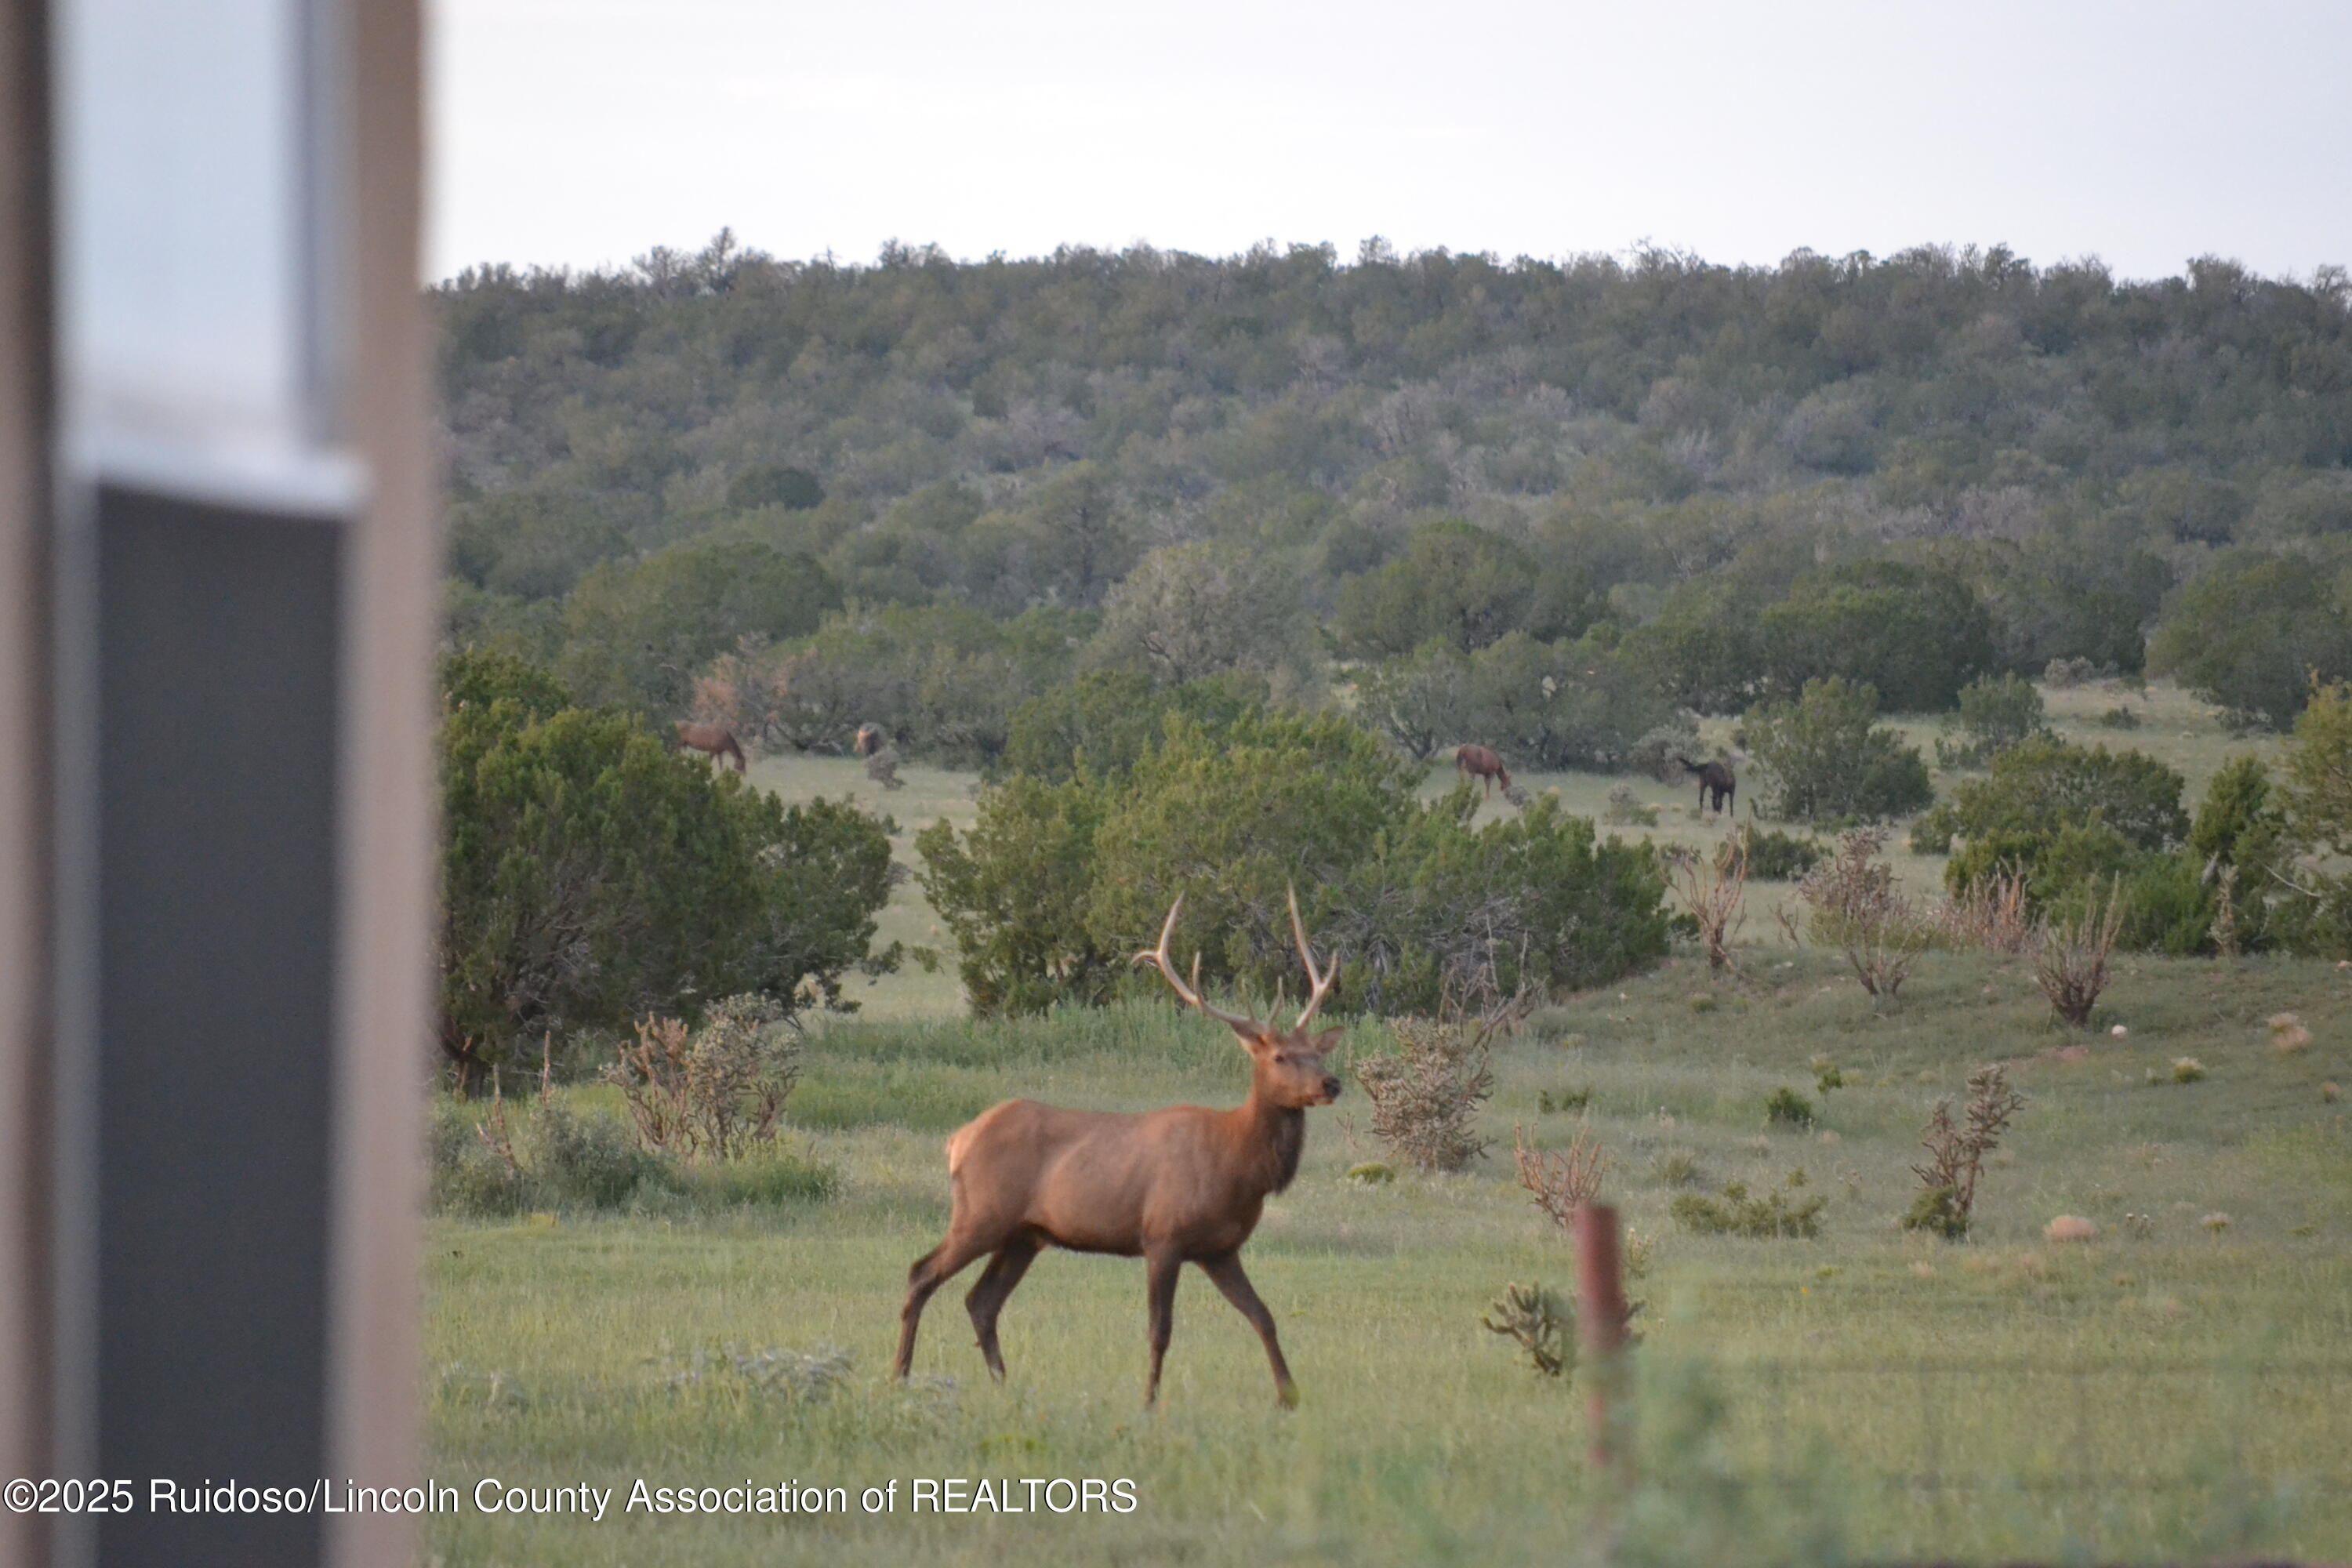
(1485, 764)
(1182, 1184)
(714, 741)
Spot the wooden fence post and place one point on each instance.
(1601, 1317)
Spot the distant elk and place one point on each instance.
(714, 741)
(1485, 764)
(881, 757)
(1714, 779)
(1184, 1184)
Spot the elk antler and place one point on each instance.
(1322, 982)
(1191, 995)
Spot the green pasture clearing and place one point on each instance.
(2176, 728)
(2168, 1396)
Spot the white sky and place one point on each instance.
(586, 131)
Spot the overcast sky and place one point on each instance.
(586, 131)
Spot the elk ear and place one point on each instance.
(1328, 1038)
(1253, 1040)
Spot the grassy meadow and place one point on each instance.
(2173, 1390)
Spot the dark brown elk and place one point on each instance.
(1184, 1184)
(1714, 779)
(869, 740)
(713, 740)
(1485, 764)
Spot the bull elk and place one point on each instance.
(1184, 1184)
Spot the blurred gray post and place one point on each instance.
(26, 401)
(218, 608)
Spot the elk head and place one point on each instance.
(1287, 1064)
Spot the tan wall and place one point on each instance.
(390, 624)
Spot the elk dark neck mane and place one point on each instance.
(1281, 1132)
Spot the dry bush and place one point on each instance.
(1854, 907)
(1883, 952)
(1714, 893)
(2228, 929)
(715, 1093)
(1563, 1182)
(2070, 956)
(1956, 1153)
(1623, 810)
(1992, 915)
(1851, 888)
(1426, 1098)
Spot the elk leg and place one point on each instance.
(1160, 1288)
(931, 1270)
(987, 1297)
(1225, 1269)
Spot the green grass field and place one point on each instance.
(2174, 1390)
(2141, 1397)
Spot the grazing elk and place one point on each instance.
(1485, 764)
(1715, 779)
(711, 740)
(1180, 1185)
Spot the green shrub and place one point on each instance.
(1576, 1100)
(1916, 634)
(1579, 704)
(1109, 718)
(1456, 584)
(1535, 895)
(636, 633)
(1788, 1108)
(1540, 1323)
(1826, 761)
(2043, 783)
(589, 875)
(1658, 748)
(2250, 631)
(944, 682)
(1623, 810)
(1937, 1211)
(515, 1157)
(1056, 885)
(469, 1177)
(2119, 718)
(1993, 716)
(2076, 822)
(1779, 1212)
(1674, 1168)
(507, 1158)
(588, 1162)
(1773, 856)
(1419, 699)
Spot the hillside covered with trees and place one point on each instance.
(919, 491)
